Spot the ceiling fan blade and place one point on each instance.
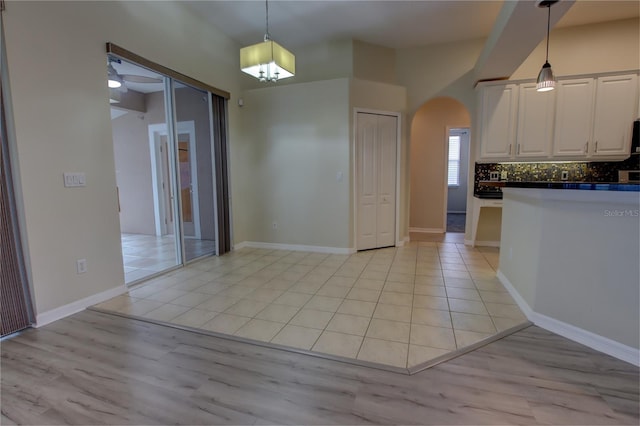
(140, 79)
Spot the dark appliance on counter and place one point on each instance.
(629, 176)
(635, 138)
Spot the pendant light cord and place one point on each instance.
(548, 27)
(266, 8)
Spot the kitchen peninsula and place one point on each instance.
(570, 258)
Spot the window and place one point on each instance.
(453, 178)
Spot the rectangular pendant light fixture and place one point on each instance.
(267, 61)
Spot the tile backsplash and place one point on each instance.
(541, 172)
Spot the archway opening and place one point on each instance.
(429, 163)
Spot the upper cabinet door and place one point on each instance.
(535, 122)
(498, 120)
(616, 102)
(574, 117)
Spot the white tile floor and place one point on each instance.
(145, 255)
(396, 306)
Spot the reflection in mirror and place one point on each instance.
(195, 169)
(143, 155)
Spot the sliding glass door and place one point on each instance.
(195, 170)
(144, 156)
(166, 136)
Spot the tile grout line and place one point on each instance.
(446, 292)
(325, 327)
(298, 308)
(395, 253)
(413, 293)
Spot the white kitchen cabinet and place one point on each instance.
(615, 110)
(574, 117)
(535, 122)
(498, 109)
(585, 118)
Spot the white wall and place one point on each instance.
(57, 70)
(296, 139)
(133, 173)
(573, 256)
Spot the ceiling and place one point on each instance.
(393, 24)
(127, 68)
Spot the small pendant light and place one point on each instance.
(546, 80)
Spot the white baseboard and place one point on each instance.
(403, 241)
(77, 306)
(577, 334)
(522, 304)
(483, 243)
(295, 247)
(427, 230)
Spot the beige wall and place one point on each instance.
(374, 63)
(439, 70)
(427, 160)
(57, 70)
(605, 47)
(296, 139)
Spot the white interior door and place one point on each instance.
(367, 183)
(163, 192)
(376, 140)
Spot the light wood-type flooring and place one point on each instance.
(97, 368)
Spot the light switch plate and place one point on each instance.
(81, 266)
(494, 175)
(72, 180)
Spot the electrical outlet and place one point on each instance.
(81, 266)
(565, 175)
(504, 175)
(274, 225)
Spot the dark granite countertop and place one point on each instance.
(588, 186)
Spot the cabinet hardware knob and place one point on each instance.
(518, 149)
(509, 149)
(586, 147)
(596, 150)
